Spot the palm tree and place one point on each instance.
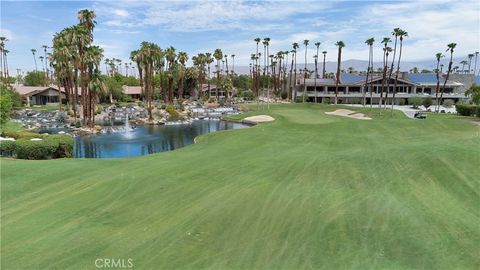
(324, 69)
(438, 56)
(45, 47)
(475, 67)
(255, 69)
(93, 57)
(463, 63)
(289, 89)
(233, 63)
(305, 42)
(450, 47)
(218, 55)
(226, 64)
(369, 42)
(182, 58)
(34, 58)
(5, 68)
(340, 45)
(294, 92)
(2, 59)
(401, 34)
(41, 61)
(170, 56)
(386, 51)
(208, 60)
(266, 43)
(285, 66)
(470, 57)
(317, 44)
(395, 34)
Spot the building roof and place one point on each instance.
(33, 90)
(205, 87)
(428, 79)
(424, 78)
(132, 90)
(348, 78)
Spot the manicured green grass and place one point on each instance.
(11, 127)
(308, 191)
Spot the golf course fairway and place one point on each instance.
(306, 191)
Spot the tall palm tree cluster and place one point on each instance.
(273, 75)
(76, 64)
(114, 66)
(3, 58)
(468, 63)
(164, 71)
(148, 59)
(44, 63)
(399, 35)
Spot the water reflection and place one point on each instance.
(146, 139)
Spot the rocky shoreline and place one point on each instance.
(116, 118)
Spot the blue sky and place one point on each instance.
(201, 26)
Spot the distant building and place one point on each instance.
(40, 95)
(351, 88)
(134, 92)
(213, 91)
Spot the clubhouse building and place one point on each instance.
(351, 87)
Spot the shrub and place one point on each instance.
(53, 146)
(415, 101)
(248, 95)
(326, 100)
(401, 102)
(21, 134)
(478, 111)
(427, 102)
(27, 149)
(447, 103)
(61, 117)
(466, 109)
(174, 116)
(64, 145)
(355, 100)
(7, 148)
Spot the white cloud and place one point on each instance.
(6, 33)
(193, 16)
(121, 13)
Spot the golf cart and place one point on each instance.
(419, 115)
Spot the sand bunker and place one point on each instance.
(348, 113)
(259, 118)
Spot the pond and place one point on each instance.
(145, 140)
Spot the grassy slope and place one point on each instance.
(306, 191)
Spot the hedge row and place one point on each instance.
(468, 110)
(52, 146)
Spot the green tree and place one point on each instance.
(35, 78)
(9, 98)
(474, 93)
